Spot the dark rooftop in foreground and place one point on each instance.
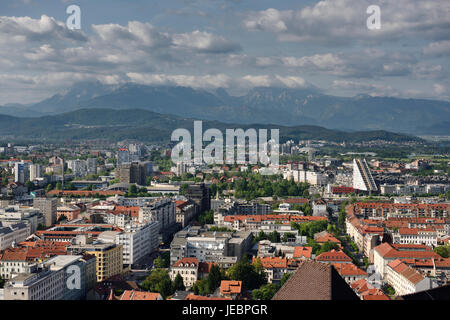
(315, 281)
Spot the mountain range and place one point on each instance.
(148, 126)
(263, 105)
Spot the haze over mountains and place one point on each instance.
(262, 105)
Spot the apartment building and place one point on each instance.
(59, 278)
(48, 208)
(208, 245)
(137, 240)
(188, 270)
(109, 257)
(13, 233)
(406, 280)
(161, 210)
(14, 261)
(17, 214)
(386, 253)
(426, 236)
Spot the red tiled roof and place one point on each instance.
(230, 287)
(349, 269)
(328, 238)
(272, 262)
(409, 273)
(186, 262)
(333, 255)
(302, 252)
(140, 295)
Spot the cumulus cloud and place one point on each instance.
(205, 42)
(337, 22)
(440, 48)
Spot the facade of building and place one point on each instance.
(405, 280)
(48, 208)
(13, 233)
(109, 257)
(188, 270)
(200, 194)
(362, 177)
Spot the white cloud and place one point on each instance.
(440, 48)
(338, 22)
(204, 42)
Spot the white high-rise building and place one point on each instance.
(21, 172)
(78, 167)
(35, 171)
(362, 178)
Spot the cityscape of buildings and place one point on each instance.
(137, 227)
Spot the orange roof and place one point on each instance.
(328, 238)
(272, 262)
(409, 273)
(333, 255)
(349, 269)
(230, 287)
(367, 291)
(140, 295)
(387, 251)
(302, 252)
(186, 262)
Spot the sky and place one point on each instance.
(233, 44)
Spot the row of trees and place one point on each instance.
(252, 186)
(274, 237)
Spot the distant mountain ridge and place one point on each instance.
(283, 106)
(148, 126)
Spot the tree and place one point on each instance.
(158, 281)
(59, 186)
(214, 278)
(29, 185)
(159, 262)
(132, 189)
(251, 275)
(178, 283)
(284, 278)
(442, 251)
(265, 292)
(48, 188)
(201, 287)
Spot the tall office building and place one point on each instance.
(134, 172)
(123, 156)
(362, 177)
(91, 164)
(48, 209)
(135, 151)
(21, 172)
(200, 194)
(35, 171)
